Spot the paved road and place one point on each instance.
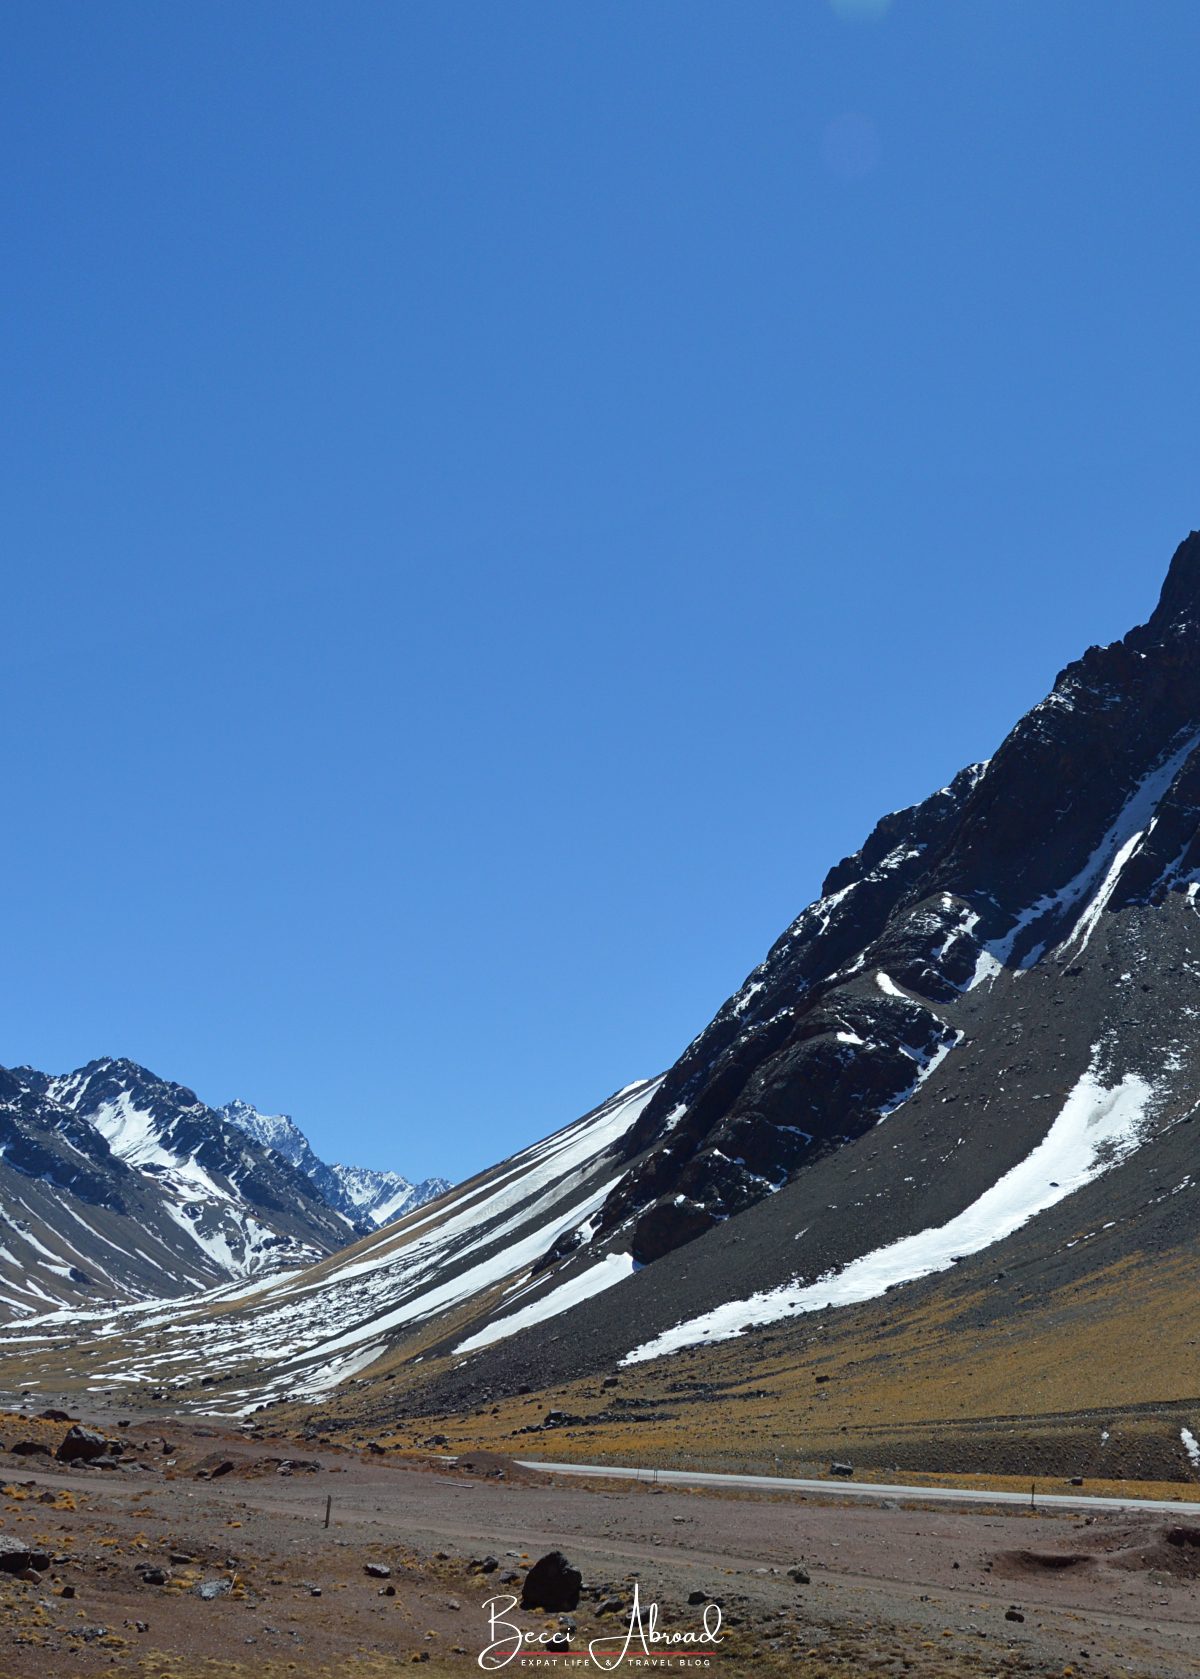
(870, 1489)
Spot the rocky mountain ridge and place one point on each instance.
(367, 1197)
(116, 1184)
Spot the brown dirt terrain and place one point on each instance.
(1094, 1381)
(889, 1590)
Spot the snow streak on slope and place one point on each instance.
(613, 1268)
(1096, 1129)
(1094, 884)
(302, 1333)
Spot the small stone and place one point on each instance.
(800, 1575)
(378, 1571)
(1013, 1615)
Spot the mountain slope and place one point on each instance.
(366, 1197)
(299, 1334)
(115, 1185)
(964, 1081)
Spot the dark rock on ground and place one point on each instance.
(552, 1584)
(16, 1556)
(82, 1445)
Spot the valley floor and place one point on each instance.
(890, 1589)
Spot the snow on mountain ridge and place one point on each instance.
(361, 1194)
(116, 1184)
(277, 1131)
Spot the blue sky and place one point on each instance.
(497, 499)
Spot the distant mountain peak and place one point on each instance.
(367, 1198)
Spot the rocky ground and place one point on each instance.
(203, 1552)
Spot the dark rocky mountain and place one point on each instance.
(116, 1184)
(367, 1197)
(963, 1083)
(1090, 805)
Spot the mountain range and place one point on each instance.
(117, 1185)
(941, 1135)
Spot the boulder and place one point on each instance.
(30, 1448)
(82, 1445)
(552, 1584)
(17, 1557)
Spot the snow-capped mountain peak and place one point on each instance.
(381, 1197)
(116, 1184)
(368, 1198)
(277, 1131)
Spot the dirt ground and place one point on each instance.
(253, 1582)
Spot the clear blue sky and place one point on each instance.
(497, 498)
